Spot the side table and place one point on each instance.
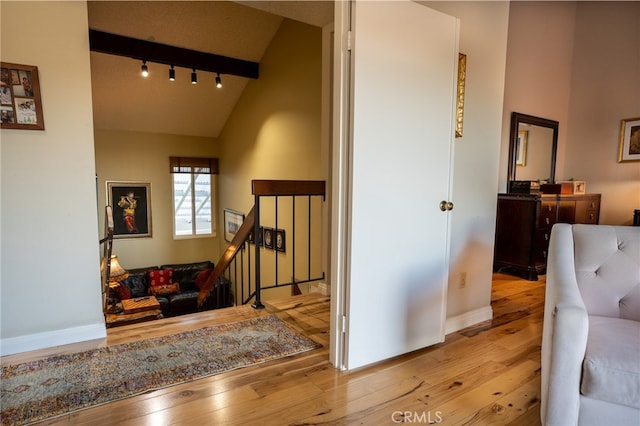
(135, 310)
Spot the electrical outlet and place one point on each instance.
(463, 279)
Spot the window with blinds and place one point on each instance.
(193, 196)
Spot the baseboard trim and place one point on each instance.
(32, 342)
(467, 319)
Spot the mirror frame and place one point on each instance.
(516, 119)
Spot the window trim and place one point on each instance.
(193, 167)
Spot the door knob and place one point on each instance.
(446, 205)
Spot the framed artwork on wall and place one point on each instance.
(20, 103)
(521, 148)
(252, 240)
(629, 140)
(131, 204)
(462, 75)
(268, 237)
(232, 222)
(280, 242)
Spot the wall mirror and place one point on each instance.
(532, 148)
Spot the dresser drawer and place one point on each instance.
(588, 211)
(542, 245)
(548, 211)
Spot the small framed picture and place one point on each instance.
(232, 222)
(268, 237)
(252, 240)
(280, 243)
(20, 103)
(579, 187)
(131, 204)
(521, 148)
(629, 140)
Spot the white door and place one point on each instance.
(399, 132)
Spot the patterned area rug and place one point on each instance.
(61, 384)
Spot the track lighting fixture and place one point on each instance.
(144, 69)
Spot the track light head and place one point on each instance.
(218, 81)
(144, 69)
(194, 77)
(172, 74)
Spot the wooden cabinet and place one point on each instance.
(523, 228)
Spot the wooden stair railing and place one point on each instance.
(226, 259)
(260, 188)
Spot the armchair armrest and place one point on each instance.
(564, 336)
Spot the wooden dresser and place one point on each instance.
(523, 228)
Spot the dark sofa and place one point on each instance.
(188, 277)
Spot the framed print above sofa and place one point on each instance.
(131, 203)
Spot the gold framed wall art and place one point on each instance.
(629, 149)
(462, 75)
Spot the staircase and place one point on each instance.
(294, 209)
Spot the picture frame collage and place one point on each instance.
(271, 238)
(20, 102)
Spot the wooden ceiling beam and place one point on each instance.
(149, 51)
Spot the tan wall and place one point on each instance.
(605, 90)
(577, 63)
(274, 131)
(144, 157)
(538, 76)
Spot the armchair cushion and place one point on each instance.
(591, 333)
(606, 264)
(611, 368)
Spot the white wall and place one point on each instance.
(50, 279)
(483, 38)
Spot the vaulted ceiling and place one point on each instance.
(124, 100)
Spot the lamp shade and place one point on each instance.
(116, 272)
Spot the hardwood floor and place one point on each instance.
(485, 374)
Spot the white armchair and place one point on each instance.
(591, 330)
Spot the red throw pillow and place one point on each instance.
(123, 292)
(202, 277)
(159, 277)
